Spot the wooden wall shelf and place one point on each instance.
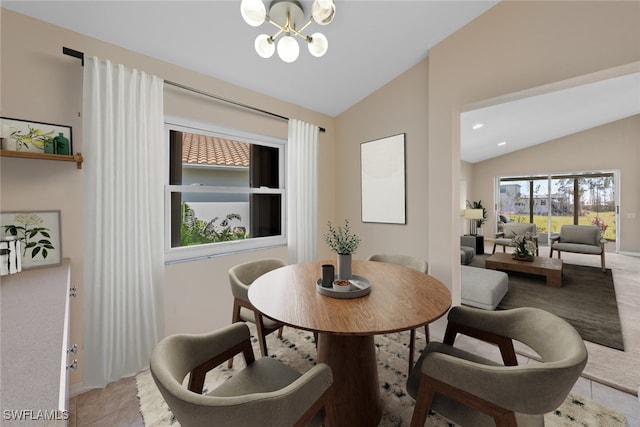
(77, 158)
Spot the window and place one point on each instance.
(550, 201)
(225, 191)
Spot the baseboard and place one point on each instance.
(77, 389)
(636, 254)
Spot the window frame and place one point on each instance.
(210, 250)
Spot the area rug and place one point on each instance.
(587, 300)
(297, 349)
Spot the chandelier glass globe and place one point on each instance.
(253, 12)
(323, 11)
(265, 46)
(288, 49)
(318, 45)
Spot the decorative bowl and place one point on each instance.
(341, 285)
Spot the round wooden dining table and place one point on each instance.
(400, 299)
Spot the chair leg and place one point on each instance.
(602, 261)
(424, 400)
(412, 348)
(235, 317)
(494, 248)
(261, 335)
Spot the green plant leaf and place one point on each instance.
(35, 251)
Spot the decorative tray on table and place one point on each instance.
(358, 287)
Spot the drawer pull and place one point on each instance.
(73, 349)
(74, 365)
(73, 292)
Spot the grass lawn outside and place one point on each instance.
(604, 218)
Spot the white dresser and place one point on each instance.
(34, 343)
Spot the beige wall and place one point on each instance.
(398, 107)
(38, 82)
(614, 146)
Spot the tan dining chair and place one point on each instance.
(241, 277)
(471, 390)
(417, 264)
(265, 393)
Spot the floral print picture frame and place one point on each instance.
(39, 233)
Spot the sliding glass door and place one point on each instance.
(551, 201)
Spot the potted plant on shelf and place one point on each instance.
(344, 243)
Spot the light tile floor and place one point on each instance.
(117, 404)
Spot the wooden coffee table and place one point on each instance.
(551, 268)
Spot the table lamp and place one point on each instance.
(473, 215)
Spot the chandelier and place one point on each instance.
(288, 17)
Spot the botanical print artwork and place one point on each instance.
(39, 233)
(27, 136)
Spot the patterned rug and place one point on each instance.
(298, 350)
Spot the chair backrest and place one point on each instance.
(247, 401)
(582, 234)
(562, 350)
(404, 260)
(243, 275)
(512, 229)
(176, 355)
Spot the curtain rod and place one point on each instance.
(80, 55)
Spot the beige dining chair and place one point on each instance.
(417, 264)
(265, 393)
(241, 277)
(473, 391)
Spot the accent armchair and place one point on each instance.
(265, 393)
(417, 264)
(510, 230)
(582, 239)
(474, 391)
(240, 278)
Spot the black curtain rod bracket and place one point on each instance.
(80, 55)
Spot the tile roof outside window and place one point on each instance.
(213, 151)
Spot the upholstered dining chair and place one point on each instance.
(510, 230)
(241, 277)
(417, 264)
(473, 391)
(265, 393)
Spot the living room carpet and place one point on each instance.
(587, 300)
(297, 349)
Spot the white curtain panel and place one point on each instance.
(123, 146)
(302, 191)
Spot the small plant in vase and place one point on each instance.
(344, 243)
(524, 247)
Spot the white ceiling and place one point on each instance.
(535, 119)
(370, 43)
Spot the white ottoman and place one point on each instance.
(483, 288)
